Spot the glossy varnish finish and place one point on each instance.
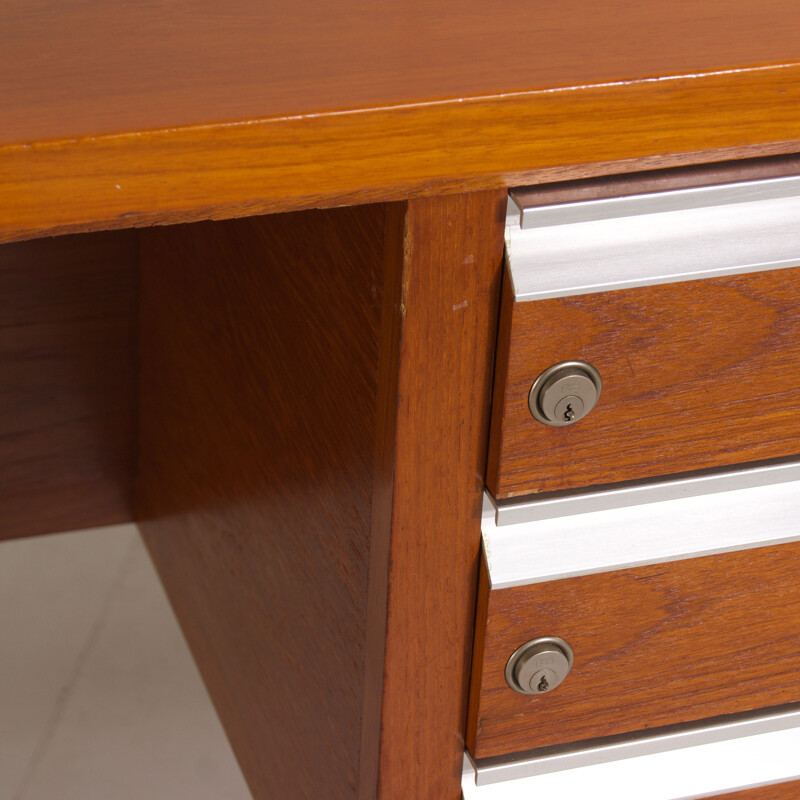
(655, 645)
(222, 171)
(268, 108)
(68, 331)
(696, 374)
(259, 61)
(258, 405)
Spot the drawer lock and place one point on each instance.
(565, 393)
(539, 665)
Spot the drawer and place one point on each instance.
(687, 303)
(679, 609)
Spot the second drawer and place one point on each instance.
(655, 644)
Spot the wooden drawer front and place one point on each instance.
(654, 646)
(695, 374)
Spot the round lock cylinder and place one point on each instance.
(565, 393)
(539, 665)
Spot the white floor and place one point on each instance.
(99, 696)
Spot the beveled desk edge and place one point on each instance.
(366, 155)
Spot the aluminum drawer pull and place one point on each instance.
(662, 237)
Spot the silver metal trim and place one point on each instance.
(557, 759)
(664, 237)
(633, 493)
(624, 536)
(656, 202)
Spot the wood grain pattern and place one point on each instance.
(156, 64)
(478, 653)
(436, 402)
(260, 342)
(655, 645)
(269, 164)
(777, 791)
(68, 337)
(695, 374)
(311, 477)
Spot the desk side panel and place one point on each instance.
(315, 403)
(260, 343)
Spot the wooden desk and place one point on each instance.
(309, 440)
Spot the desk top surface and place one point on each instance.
(75, 75)
(87, 67)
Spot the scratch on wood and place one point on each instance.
(408, 247)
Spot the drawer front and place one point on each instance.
(695, 374)
(653, 646)
(690, 316)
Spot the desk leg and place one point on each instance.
(314, 412)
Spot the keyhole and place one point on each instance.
(569, 414)
(543, 685)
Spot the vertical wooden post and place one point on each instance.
(441, 307)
